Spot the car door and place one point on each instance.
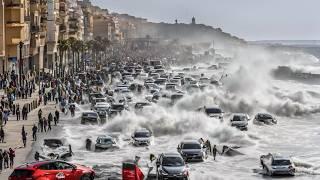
(47, 171)
(65, 170)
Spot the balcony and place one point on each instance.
(34, 1)
(15, 24)
(14, 4)
(14, 41)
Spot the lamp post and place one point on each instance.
(20, 63)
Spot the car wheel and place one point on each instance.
(86, 177)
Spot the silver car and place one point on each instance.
(274, 164)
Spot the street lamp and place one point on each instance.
(20, 62)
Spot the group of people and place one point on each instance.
(44, 123)
(6, 159)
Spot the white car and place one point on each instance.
(274, 164)
(240, 121)
(141, 137)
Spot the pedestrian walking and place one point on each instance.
(41, 124)
(40, 113)
(12, 155)
(1, 135)
(214, 152)
(1, 160)
(57, 115)
(34, 132)
(24, 113)
(45, 124)
(24, 137)
(55, 120)
(18, 113)
(5, 159)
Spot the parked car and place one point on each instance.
(274, 164)
(192, 150)
(240, 121)
(52, 170)
(141, 137)
(264, 118)
(172, 166)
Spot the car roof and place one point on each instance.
(190, 142)
(171, 154)
(105, 137)
(36, 164)
(142, 130)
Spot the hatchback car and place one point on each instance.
(52, 170)
(171, 166)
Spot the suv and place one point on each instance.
(212, 112)
(105, 142)
(52, 170)
(274, 164)
(90, 118)
(192, 150)
(263, 118)
(171, 166)
(141, 137)
(240, 121)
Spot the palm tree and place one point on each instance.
(72, 41)
(63, 46)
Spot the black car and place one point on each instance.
(90, 118)
(172, 166)
(192, 150)
(264, 118)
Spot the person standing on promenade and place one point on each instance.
(18, 112)
(24, 113)
(40, 113)
(11, 157)
(24, 137)
(5, 117)
(57, 114)
(1, 160)
(49, 124)
(34, 132)
(40, 125)
(5, 159)
(2, 135)
(45, 124)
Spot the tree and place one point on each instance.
(63, 46)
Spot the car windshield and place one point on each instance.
(105, 141)
(117, 107)
(141, 134)
(213, 111)
(265, 116)
(238, 118)
(172, 161)
(281, 162)
(191, 146)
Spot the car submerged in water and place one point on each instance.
(213, 112)
(240, 121)
(264, 118)
(192, 150)
(90, 117)
(105, 143)
(171, 166)
(52, 170)
(142, 137)
(274, 164)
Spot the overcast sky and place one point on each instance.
(249, 19)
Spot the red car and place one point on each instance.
(52, 170)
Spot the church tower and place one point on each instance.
(193, 21)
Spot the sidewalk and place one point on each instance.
(13, 138)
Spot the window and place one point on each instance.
(63, 165)
(48, 166)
